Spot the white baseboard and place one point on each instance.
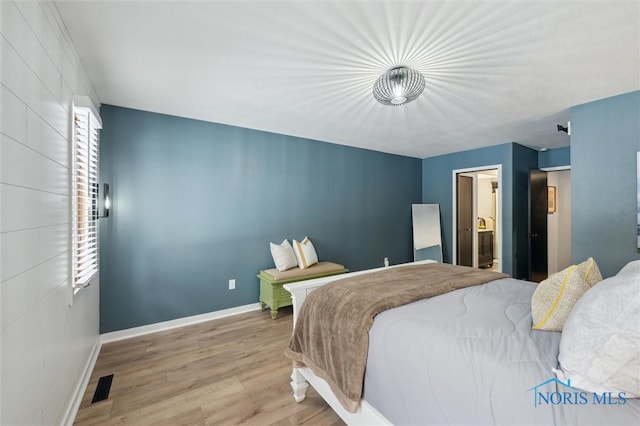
(180, 322)
(81, 387)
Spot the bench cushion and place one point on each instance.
(320, 269)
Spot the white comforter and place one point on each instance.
(470, 357)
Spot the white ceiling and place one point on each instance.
(496, 71)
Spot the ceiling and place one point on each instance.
(496, 71)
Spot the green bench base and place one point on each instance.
(273, 295)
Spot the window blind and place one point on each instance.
(85, 169)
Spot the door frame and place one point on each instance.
(454, 201)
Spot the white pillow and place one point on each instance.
(283, 256)
(631, 268)
(305, 252)
(600, 343)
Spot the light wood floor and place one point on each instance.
(223, 372)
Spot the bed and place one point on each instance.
(468, 356)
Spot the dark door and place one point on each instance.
(464, 191)
(538, 267)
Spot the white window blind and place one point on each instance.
(84, 175)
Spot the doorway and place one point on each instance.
(549, 222)
(477, 225)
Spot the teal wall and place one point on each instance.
(605, 137)
(516, 160)
(196, 204)
(604, 141)
(556, 157)
(437, 189)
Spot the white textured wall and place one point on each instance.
(45, 343)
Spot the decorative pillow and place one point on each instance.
(283, 256)
(590, 272)
(600, 343)
(555, 297)
(305, 252)
(631, 268)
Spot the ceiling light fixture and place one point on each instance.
(398, 86)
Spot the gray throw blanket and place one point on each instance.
(331, 333)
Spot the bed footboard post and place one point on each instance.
(299, 385)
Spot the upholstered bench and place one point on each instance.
(272, 280)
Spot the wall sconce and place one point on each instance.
(106, 201)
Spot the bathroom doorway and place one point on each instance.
(477, 223)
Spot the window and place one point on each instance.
(84, 192)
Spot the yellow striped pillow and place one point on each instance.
(555, 297)
(305, 253)
(590, 272)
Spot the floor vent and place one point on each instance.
(103, 388)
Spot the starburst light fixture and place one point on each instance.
(398, 86)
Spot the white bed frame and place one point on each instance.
(301, 378)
